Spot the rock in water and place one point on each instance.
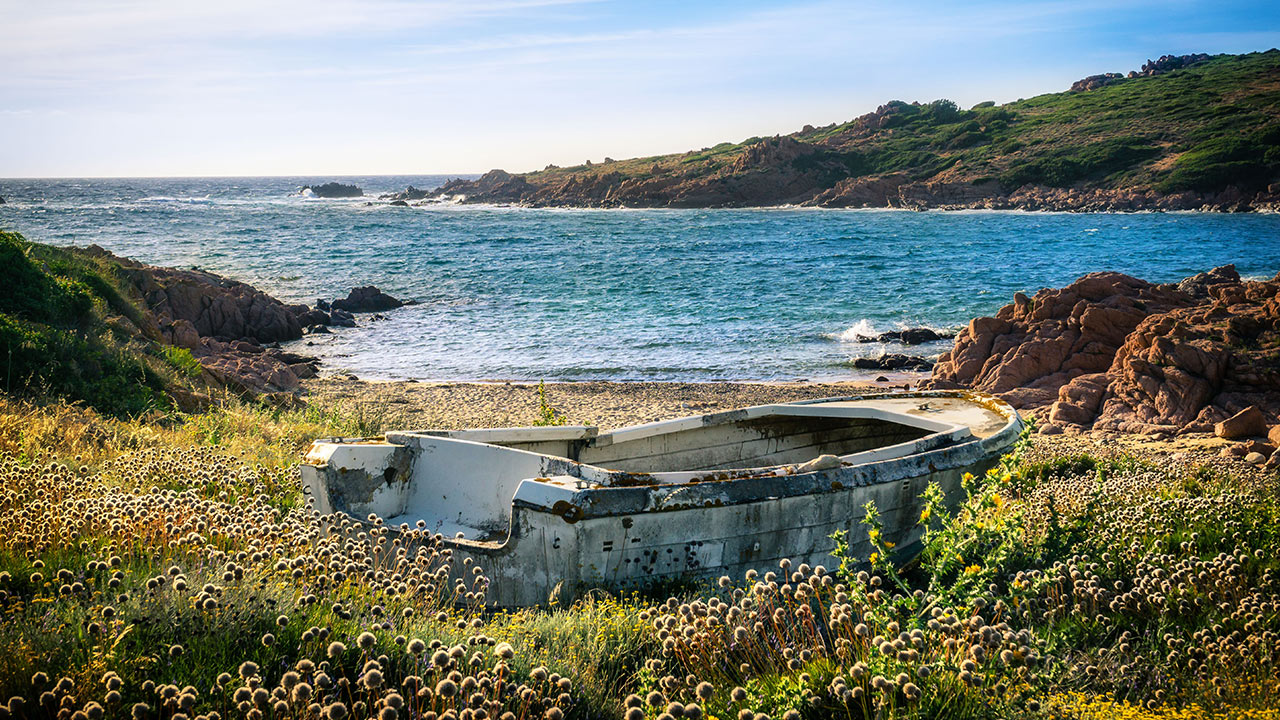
(910, 336)
(892, 361)
(334, 190)
(341, 318)
(367, 299)
(409, 193)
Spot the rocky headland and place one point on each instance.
(1112, 353)
(233, 329)
(1150, 140)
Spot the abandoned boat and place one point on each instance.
(560, 510)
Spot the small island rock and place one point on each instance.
(366, 299)
(334, 190)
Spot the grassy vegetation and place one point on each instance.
(69, 328)
(166, 569)
(1202, 128)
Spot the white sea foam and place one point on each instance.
(860, 331)
(165, 199)
(865, 330)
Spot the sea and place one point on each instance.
(520, 294)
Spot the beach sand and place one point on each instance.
(420, 405)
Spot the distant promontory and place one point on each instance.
(1184, 132)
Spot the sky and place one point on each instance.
(334, 87)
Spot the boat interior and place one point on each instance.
(464, 482)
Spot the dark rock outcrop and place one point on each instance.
(493, 186)
(1111, 352)
(334, 190)
(910, 336)
(892, 361)
(366, 299)
(409, 193)
(214, 306)
(227, 325)
(341, 318)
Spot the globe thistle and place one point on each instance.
(335, 650)
(336, 711)
(366, 640)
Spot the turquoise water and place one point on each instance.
(556, 294)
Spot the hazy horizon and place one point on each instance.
(338, 89)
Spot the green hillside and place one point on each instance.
(1195, 123)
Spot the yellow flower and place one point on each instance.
(924, 514)
(874, 557)
(973, 570)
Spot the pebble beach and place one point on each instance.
(604, 404)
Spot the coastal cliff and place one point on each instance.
(1193, 132)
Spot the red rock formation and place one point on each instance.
(224, 323)
(1111, 352)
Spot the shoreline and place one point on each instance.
(457, 405)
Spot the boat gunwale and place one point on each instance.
(631, 500)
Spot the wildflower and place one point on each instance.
(366, 640)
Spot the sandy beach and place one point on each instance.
(605, 404)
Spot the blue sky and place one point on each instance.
(253, 87)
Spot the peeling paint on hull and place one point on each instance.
(682, 499)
